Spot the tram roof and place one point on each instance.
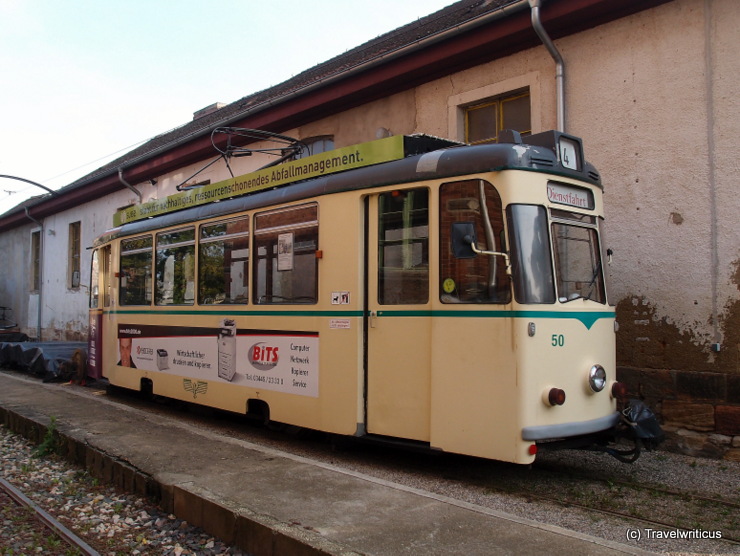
(535, 153)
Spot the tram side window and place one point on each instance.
(136, 271)
(285, 264)
(403, 249)
(480, 278)
(223, 259)
(100, 267)
(175, 267)
(530, 254)
(105, 269)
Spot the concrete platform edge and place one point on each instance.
(256, 534)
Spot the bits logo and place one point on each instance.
(263, 357)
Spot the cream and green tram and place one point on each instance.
(454, 298)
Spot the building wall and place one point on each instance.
(652, 97)
(662, 133)
(15, 245)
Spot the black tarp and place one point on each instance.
(44, 359)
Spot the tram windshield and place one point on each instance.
(530, 254)
(577, 272)
(578, 264)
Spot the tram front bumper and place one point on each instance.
(566, 430)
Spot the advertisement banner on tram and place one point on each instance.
(283, 361)
(94, 344)
(331, 162)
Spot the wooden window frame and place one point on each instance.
(74, 253)
(496, 104)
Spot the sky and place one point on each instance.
(84, 81)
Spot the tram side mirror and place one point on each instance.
(462, 236)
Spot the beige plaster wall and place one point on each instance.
(395, 113)
(652, 97)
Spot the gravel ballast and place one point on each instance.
(112, 522)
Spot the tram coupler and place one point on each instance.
(638, 424)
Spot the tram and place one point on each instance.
(407, 288)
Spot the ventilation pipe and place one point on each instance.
(131, 187)
(559, 65)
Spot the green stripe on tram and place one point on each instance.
(238, 313)
(588, 318)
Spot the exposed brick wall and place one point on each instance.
(699, 411)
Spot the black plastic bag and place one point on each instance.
(644, 424)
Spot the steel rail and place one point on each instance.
(47, 519)
(642, 486)
(623, 515)
(633, 485)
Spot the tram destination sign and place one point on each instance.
(338, 160)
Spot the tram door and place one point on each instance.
(398, 303)
(100, 280)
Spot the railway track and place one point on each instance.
(679, 509)
(645, 522)
(44, 531)
(684, 528)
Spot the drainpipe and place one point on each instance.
(559, 65)
(41, 273)
(713, 205)
(131, 187)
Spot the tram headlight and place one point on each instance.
(597, 378)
